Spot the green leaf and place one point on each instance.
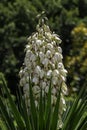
(23, 109)
(33, 111)
(2, 125)
(41, 112)
(16, 113)
(56, 111)
(73, 119)
(48, 109)
(84, 126)
(6, 116)
(79, 115)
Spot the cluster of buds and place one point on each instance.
(43, 61)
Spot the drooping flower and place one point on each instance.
(43, 61)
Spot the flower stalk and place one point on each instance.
(43, 61)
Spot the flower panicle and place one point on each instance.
(43, 60)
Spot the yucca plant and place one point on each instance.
(42, 105)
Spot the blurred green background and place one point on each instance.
(68, 18)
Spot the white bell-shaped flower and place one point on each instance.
(43, 61)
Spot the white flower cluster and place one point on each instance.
(43, 61)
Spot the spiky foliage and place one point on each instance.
(45, 117)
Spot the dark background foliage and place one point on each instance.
(18, 21)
